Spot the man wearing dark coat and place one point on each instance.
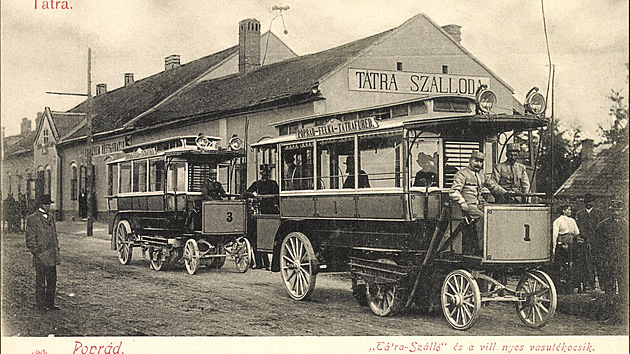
(587, 220)
(41, 240)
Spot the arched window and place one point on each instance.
(74, 180)
(48, 181)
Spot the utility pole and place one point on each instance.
(90, 169)
(88, 116)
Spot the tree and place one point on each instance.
(618, 131)
(566, 157)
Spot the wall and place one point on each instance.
(420, 56)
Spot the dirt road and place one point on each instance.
(100, 297)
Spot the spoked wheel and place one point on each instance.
(359, 291)
(218, 262)
(242, 254)
(461, 299)
(191, 256)
(298, 265)
(156, 262)
(384, 299)
(123, 242)
(540, 299)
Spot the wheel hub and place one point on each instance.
(458, 299)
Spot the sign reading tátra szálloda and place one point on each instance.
(414, 83)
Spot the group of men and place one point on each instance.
(15, 211)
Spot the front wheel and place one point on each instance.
(298, 265)
(191, 256)
(461, 299)
(540, 299)
(242, 254)
(124, 243)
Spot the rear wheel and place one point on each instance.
(384, 299)
(540, 299)
(298, 265)
(124, 243)
(191, 256)
(461, 299)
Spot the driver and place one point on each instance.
(466, 191)
(511, 175)
(211, 188)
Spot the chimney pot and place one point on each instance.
(248, 45)
(587, 153)
(128, 79)
(171, 61)
(455, 31)
(101, 89)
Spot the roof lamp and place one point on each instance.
(486, 99)
(203, 143)
(235, 143)
(535, 102)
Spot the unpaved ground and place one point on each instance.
(100, 297)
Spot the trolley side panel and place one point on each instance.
(223, 217)
(517, 234)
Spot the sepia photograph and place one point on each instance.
(351, 176)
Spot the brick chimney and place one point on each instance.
(248, 45)
(128, 79)
(25, 127)
(101, 89)
(587, 153)
(171, 61)
(454, 31)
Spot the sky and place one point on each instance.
(46, 49)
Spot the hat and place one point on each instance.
(513, 147)
(265, 168)
(588, 197)
(616, 204)
(476, 154)
(45, 199)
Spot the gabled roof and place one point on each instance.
(281, 80)
(66, 122)
(605, 176)
(115, 108)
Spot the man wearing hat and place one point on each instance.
(466, 191)
(266, 190)
(587, 220)
(364, 180)
(511, 175)
(41, 240)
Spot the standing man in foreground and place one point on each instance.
(587, 220)
(466, 191)
(511, 175)
(41, 240)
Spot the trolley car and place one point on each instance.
(349, 199)
(156, 202)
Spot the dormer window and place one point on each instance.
(45, 135)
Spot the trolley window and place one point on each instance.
(424, 160)
(331, 157)
(156, 175)
(112, 178)
(379, 162)
(176, 177)
(140, 176)
(125, 177)
(297, 170)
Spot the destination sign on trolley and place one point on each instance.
(414, 83)
(336, 126)
(141, 153)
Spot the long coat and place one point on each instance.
(41, 239)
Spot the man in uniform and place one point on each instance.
(466, 191)
(41, 240)
(511, 175)
(212, 189)
(266, 205)
(587, 220)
